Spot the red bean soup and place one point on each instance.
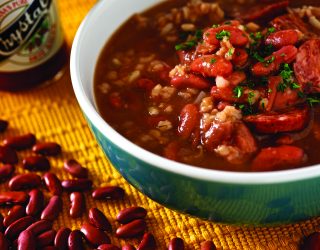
(221, 86)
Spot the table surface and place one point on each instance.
(52, 113)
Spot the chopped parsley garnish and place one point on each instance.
(227, 22)
(213, 60)
(258, 57)
(269, 90)
(246, 109)
(256, 36)
(312, 101)
(301, 94)
(215, 25)
(271, 30)
(282, 86)
(238, 91)
(230, 51)
(186, 45)
(295, 85)
(251, 95)
(222, 34)
(198, 34)
(269, 61)
(287, 77)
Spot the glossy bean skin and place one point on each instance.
(108, 193)
(75, 169)
(13, 198)
(128, 247)
(40, 227)
(99, 220)
(46, 238)
(77, 185)
(75, 241)
(4, 243)
(36, 202)
(14, 214)
(1, 224)
(131, 213)
(208, 245)
(108, 247)
(282, 38)
(189, 81)
(94, 235)
(188, 120)
(148, 242)
(61, 239)
(26, 241)
(13, 231)
(53, 209)
(3, 125)
(131, 229)
(53, 183)
(78, 204)
(6, 171)
(176, 244)
(36, 163)
(8, 155)
(20, 142)
(47, 148)
(24, 181)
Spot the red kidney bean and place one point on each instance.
(52, 210)
(75, 169)
(108, 247)
(39, 227)
(147, 243)
(6, 172)
(36, 163)
(20, 142)
(189, 81)
(14, 214)
(61, 239)
(132, 213)
(1, 224)
(46, 238)
(3, 125)
(53, 183)
(8, 155)
(208, 245)
(36, 202)
(4, 243)
(131, 229)
(128, 247)
(77, 185)
(26, 241)
(108, 193)
(50, 248)
(78, 204)
(176, 244)
(188, 120)
(75, 240)
(13, 231)
(282, 38)
(94, 235)
(12, 198)
(99, 220)
(311, 242)
(24, 181)
(47, 148)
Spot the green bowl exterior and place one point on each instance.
(240, 204)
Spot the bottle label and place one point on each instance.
(30, 33)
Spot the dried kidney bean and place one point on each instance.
(131, 213)
(4, 243)
(131, 229)
(8, 155)
(176, 244)
(208, 245)
(108, 193)
(26, 241)
(77, 204)
(75, 169)
(53, 183)
(6, 172)
(75, 241)
(147, 243)
(3, 125)
(13, 231)
(108, 247)
(128, 247)
(25, 181)
(14, 214)
(20, 142)
(99, 220)
(77, 185)
(311, 242)
(36, 202)
(12, 198)
(47, 148)
(94, 235)
(52, 210)
(40, 226)
(46, 238)
(61, 239)
(36, 163)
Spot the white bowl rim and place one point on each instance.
(211, 175)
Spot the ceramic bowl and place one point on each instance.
(220, 196)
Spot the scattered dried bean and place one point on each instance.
(108, 193)
(131, 229)
(128, 247)
(12, 232)
(47, 148)
(24, 181)
(6, 172)
(176, 244)
(3, 125)
(77, 185)
(208, 245)
(75, 169)
(99, 220)
(61, 239)
(311, 242)
(13, 198)
(53, 183)
(78, 204)
(8, 155)
(14, 214)
(94, 235)
(147, 243)
(26, 241)
(75, 240)
(40, 227)
(132, 213)
(46, 238)
(4, 243)
(20, 142)
(108, 247)
(36, 163)
(52, 210)
(36, 202)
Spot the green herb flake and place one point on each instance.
(213, 60)
(282, 87)
(287, 77)
(271, 30)
(199, 34)
(238, 91)
(251, 95)
(313, 101)
(269, 61)
(301, 94)
(230, 52)
(258, 57)
(222, 34)
(215, 25)
(269, 90)
(295, 85)
(186, 45)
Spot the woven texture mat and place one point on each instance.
(52, 113)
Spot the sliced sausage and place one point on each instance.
(271, 123)
(306, 67)
(277, 158)
(282, 38)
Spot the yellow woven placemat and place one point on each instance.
(52, 113)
